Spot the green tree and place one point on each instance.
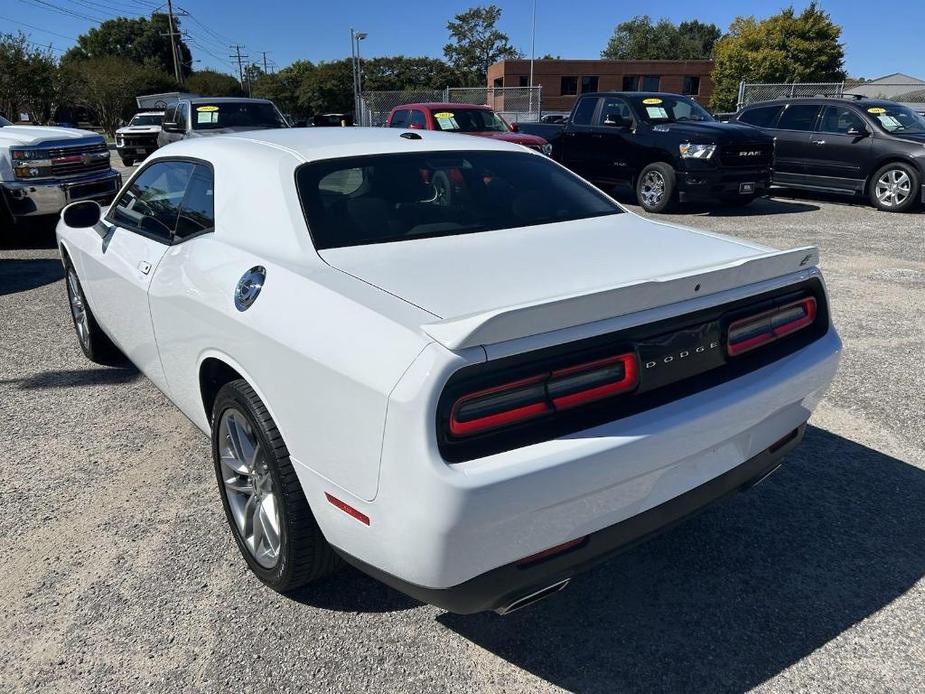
(212, 83)
(476, 43)
(143, 40)
(327, 89)
(282, 87)
(28, 78)
(786, 47)
(108, 86)
(640, 39)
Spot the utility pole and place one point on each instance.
(173, 43)
(264, 53)
(240, 59)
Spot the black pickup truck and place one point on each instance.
(666, 146)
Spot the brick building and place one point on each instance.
(563, 80)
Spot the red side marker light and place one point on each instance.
(552, 551)
(347, 508)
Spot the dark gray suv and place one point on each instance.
(205, 116)
(850, 145)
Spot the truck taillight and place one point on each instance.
(544, 394)
(756, 331)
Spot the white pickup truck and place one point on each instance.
(44, 169)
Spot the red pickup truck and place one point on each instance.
(471, 119)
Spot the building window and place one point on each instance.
(630, 83)
(569, 86)
(588, 84)
(524, 81)
(650, 83)
(499, 83)
(691, 86)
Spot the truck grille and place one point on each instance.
(754, 154)
(139, 140)
(81, 159)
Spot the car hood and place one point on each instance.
(474, 273)
(516, 138)
(142, 129)
(226, 131)
(12, 135)
(714, 131)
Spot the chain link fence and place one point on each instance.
(912, 93)
(512, 103)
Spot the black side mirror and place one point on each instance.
(859, 132)
(82, 214)
(170, 127)
(615, 120)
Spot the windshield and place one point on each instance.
(380, 198)
(469, 120)
(236, 114)
(149, 119)
(4, 121)
(668, 109)
(897, 120)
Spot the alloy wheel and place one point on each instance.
(652, 188)
(893, 188)
(78, 308)
(249, 487)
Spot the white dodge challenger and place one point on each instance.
(448, 361)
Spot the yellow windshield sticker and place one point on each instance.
(443, 114)
(876, 109)
(206, 109)
(651, 102)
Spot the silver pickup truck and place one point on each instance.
(44, 169)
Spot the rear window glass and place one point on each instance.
(762, 117)
(395, 197)
(799, 117)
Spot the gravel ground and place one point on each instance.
(120, 575)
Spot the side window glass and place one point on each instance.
(152, 203)
(584, 111)
(799, 117)
(197, 211)
(762, 117)
(170, 115)
(399, 119)
(417, 120)
(183, 115)
(615, 112)
(838, 119)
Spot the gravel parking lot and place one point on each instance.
(119, 573)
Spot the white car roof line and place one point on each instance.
(273, 145)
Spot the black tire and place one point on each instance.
(94, 343)
(127, 161)
(656, 188)
(908, 183)
(304, 555)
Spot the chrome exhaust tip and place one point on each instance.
(533, 597)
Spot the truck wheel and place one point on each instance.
(895, 188)
(127, 161)
(655, 188)
(270, 519)
(94, 343)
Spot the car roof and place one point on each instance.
(823, 100)
(315, 144)
(149, 113)
(226, 99)
(442, 105)
(642, 94)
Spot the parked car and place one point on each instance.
(332, 120)
(472, 397)
(203, 117)
(42, 169)
(138, 139)
(857, 146)
(554, 118)
(470, 119)
(664, 146)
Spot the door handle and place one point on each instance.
(818, 142)
(144, 267)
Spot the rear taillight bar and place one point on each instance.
(756, 331)
(529, 398)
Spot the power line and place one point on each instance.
(96, 6)
(62, 10)
(44, 31)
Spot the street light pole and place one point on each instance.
(355, 38)
(532, 55)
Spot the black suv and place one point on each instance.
(847, 145)
(666, 146)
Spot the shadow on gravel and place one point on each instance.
(32, 233)
(739, 593)
(835, 199)
(350, 590)
(125, 373)
(19, 275)
(761, 207)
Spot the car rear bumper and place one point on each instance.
(721, 184)
(437, 526)
(37, 198)
(516, 584)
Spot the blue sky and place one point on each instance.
(877, 43)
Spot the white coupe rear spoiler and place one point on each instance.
(512, 322)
